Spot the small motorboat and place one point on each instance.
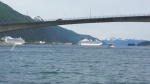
(111, 45)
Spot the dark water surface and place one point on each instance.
(47, 64)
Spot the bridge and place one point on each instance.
(27, 25)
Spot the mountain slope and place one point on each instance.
(124, 42)
(48, 34)
(7, 15)
(145, 43)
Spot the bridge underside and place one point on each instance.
(27, 25)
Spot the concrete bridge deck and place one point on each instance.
(27, 25)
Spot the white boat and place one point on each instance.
(111, 45)
(16, 41)
(13, 41)
(90, 42)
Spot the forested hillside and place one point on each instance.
(7, 15)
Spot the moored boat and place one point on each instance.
(13, 41)
(16, 41)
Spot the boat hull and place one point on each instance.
(111, 46)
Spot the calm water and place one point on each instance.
(47, 64)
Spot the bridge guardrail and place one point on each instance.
(93, 17)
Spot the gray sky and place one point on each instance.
(52, 9)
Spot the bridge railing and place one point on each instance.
(95, 17)
(77, 18)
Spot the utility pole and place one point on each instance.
(90, 12)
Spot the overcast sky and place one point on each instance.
(52, 9)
